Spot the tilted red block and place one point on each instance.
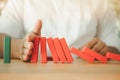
(92, 53)
(113, 56)
(66, 50)
(82, 55)
(59, 50)
(53, 50)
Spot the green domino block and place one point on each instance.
(7, 48)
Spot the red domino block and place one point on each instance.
(82, 55)
(113, 56)
(59, 50)
(53, 50)
(94, 54)
(66, 50)
(34, 57)
(43, 50)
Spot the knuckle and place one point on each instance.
(106, 49)
(25, 51)
(25, 44)
(96, 49)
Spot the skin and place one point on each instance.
(15, 47)
(94, 44)
(100, 47)
(24, 51)
(28, 41)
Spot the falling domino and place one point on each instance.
(43, 50)
(113, 56)
(34, 57)
(7, 48)
(53, 50)
(94, 54)
(66, 50)
(59, 50)
(82, 55)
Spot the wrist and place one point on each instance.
(16, 48)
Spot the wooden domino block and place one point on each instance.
(82, 55)
(59, 50)
(66, 50)
(94, 54)
(113, 56)
(53, 50)
(7, 49)
(34, 57)
(43, 50)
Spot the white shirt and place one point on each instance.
(78, 21)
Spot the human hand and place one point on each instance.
(98, 46)
(28, 41)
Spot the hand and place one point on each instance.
(98, 46)
(28, 41)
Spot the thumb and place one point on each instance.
(37, 28)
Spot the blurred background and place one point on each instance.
(2, 4)
(115, 5)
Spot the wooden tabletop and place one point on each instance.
(78, 70)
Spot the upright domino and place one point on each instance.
(66, 50)
(113, 56)
(43, 50)
(82, 55)
(94, 54)
(34, 57)
(53, 50)
(7, 49)
(59, 50)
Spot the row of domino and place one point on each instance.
(59, 44)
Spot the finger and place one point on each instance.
(91, 43)
(99, 46)
(26, 58)
(30, 37)
(28, 45)
(104, 50)
(37, 28)
(27, 52)
(36, 31)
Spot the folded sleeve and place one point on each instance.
(106, 25)
(11, 19)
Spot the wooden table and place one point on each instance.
(78, 70)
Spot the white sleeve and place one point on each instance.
(106, 26)
(11, 21)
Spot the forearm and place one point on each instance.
(15, 46)
(1, 45)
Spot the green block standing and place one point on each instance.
(7, 49)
